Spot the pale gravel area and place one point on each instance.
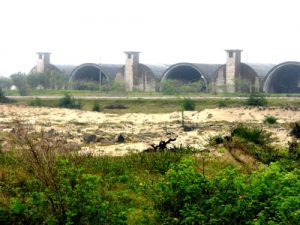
(141, 129)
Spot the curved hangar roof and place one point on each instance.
(108, 70)
(262, 70)
(67, 69)
(283, 78)
(206, 71)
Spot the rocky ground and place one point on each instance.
(118, 134)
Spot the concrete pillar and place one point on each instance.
(43, 61)
(233, 68)
(131, 69)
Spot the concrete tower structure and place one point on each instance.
(43, 61)
(131, 69)
(233, 68)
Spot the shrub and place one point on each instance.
(35, 102)
(295, 130)
(294, 150)
(96, 107)
(252, 134)
(118, 86)
(216, 140)
(3, 98)
(256, 99)
(21, 82)
(68, 101)
(222, 103)
(270, 120)
(188, 104)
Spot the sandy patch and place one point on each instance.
(141, 130)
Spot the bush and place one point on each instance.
(21, 82)
(185, 196)
(68, 101)
(118, 86)
(3, 98)
(222, 103)
(169, 87)
(270, 120)
(188, 104)
(296, 130)
(252, 134)
(294, 150)
(96, 107)
(256, 99)
(35, 102)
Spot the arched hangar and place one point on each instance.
(283, 78)
(93, 76)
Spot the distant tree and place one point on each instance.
(21, 82)
(57, 80)
(38, 79)
(5, 83)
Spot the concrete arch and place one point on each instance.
(186, 72)
(283, 78)
(88, 74)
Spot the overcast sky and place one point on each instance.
(165, 31)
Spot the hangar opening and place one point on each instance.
(88, 77)
(285, 78)
(185, 77)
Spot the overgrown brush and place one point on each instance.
(68, 101)
(185, 196)
(3, 98)
(257, 99)
(96, 107)
(35, 102)
(188, 104)
(270, 120)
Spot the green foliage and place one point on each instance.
(256, 99)
(179, 193)
(20, 80)
(84, 85)
(3, 98)
(68, 101)
(188, 104)
(294, 150)
(252, 134)
(255, 142)
(5, 83)
(270, 120)
(96, 107)
(169, 87)
(271, 196)
(48, 80)
(118, 86)
(223, 103)
(41, 184)
(35, 102)
(172, 86)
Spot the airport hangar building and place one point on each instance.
(234, 76)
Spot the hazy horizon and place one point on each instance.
(165, 32)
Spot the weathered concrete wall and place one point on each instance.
(247, 80)
(143, 80)
(43, 61)
(219, 84)
(131, 69)
(233, 63)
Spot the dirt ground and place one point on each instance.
(141, 130)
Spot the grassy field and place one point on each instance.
(160, 105)
(138, 94)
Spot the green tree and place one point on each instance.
(5, 83)
(21, 82)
